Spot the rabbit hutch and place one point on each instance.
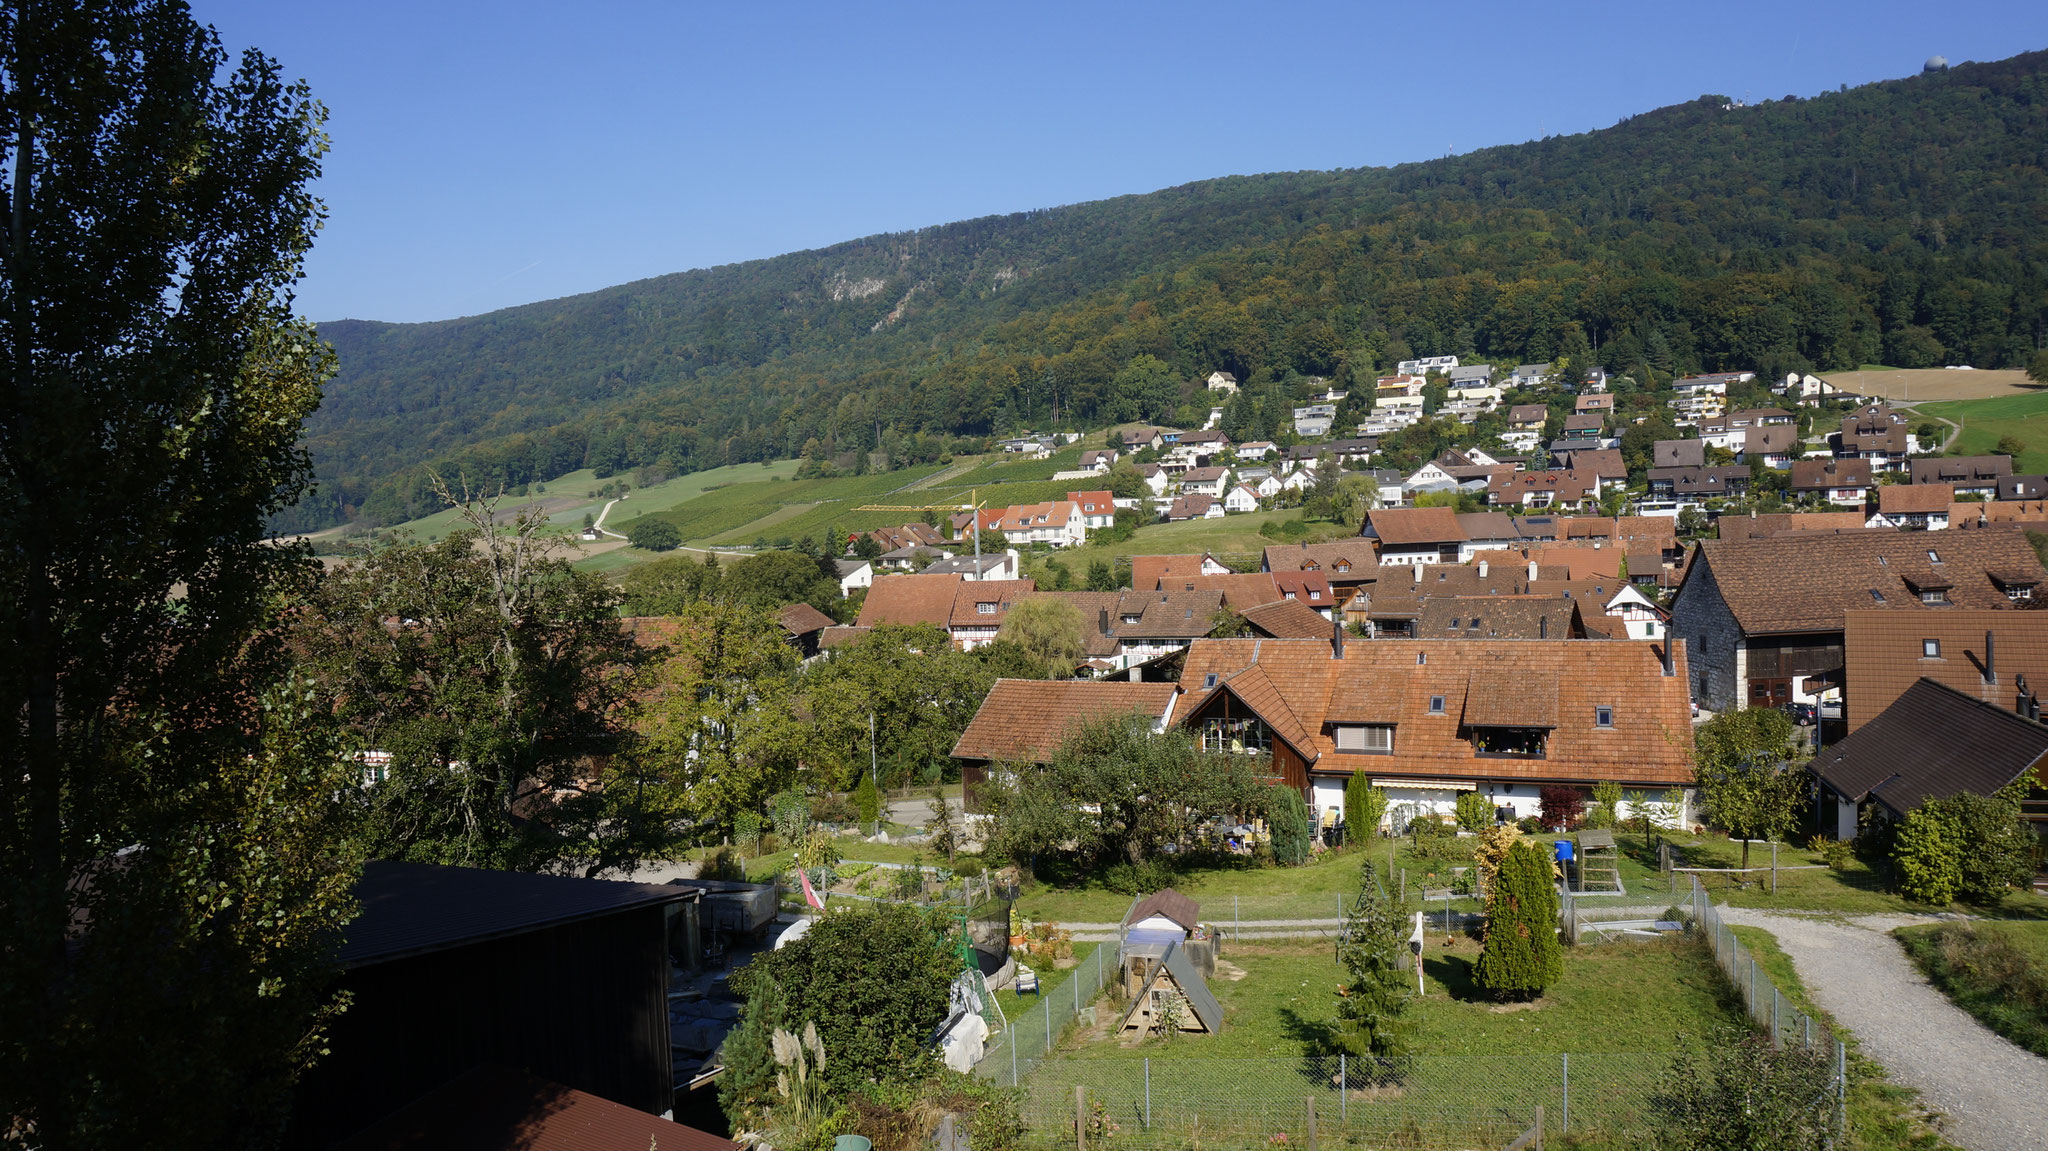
(1163, 960)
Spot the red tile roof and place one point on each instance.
(1240, 590)
(907, 599)
(1148, 571)
(1287, 619)
(1915, 499)
(970, 595)
(1404, 526)
(1026, 720)
(1331, 559)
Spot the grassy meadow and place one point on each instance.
(1985, 422)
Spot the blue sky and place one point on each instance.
(489, 154)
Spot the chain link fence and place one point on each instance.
(1032, 1024)
(1766, 1006)
(1425, 1102)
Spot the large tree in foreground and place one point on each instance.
(169, 880)
(1746, 783)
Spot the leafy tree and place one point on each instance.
(1364, 805)
(2011, 445)
(155, 388)
(1125, 483)
(720, 731)
(1100, 577)
(1372, 1014)
(1972, 847)
(667, 586)
(1745, 783)
(1116, 792)
(1357, 492)
(1145, 389)
(1048, 630)
(943, 832)
(774, 579)
(2037, 368)
(650, 534)
(866, 799)
(1287, 816)
(1323, 502)
(873, 980)
(1521, 955)
(867, 547)
(920, 691)
(508, 671)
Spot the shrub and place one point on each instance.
(722, 864)
(1987, 975)
(1475, 811)
(791, 812)
(1530, 825)
(1288, 817)
(1740, 1093)
(1606, 807)
(1996, 847)
(1562, 806)
(1138, 878)
(1927, 852)
(834, 809)
(1364, 806)
(1521, 955)
(1494, 845)
(867, 799)
(746, 829)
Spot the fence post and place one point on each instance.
(1048, 1025)
(1539, 1127)
(1404, 887)
(1344, 1089)
(1236, 920)
(1311, 1123)
(1841, 1089)
(1567, 1117)
(1774, 1017)
(1148, 1092)
(1774, 867)
(1080, 1118)
(1015, 1035)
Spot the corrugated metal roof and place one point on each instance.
(415, 908)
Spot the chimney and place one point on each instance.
(1482, 569)
(1105, 621)
(1532, 571)
(1664, 650)
(1418, 571)
(1990, 659)
(1337, 637)
(1543, 627)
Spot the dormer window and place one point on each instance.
(1934, 595)
(1422, 657)
(985, 608)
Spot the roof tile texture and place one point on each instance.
(1026, 720)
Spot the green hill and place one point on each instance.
(1898, 222)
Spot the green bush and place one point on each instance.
(1742, 1093)
(1475, 811)
(867, 799)
(747, 827)
(1927, 851)
(1521, 955)
(1138, 878)
(1372, 1014)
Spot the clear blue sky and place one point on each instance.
(488, 154)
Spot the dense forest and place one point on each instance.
(1904, 222)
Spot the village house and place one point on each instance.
(854, 574)
(1914, 507)
(1776, 444)
(990, 565)
(1597, 402)
(1026, 720)
(1242, 499)
(1205, 481)
(1124, 630)
(1427, 364)
(1344, 564)
(1549, 489)
(1257, 450)
(1393, 607)
(1763, 616)
(1638, 614)
(2020, 487)
(1966, 475)
(1763, 525)
(1312, 421)
(1588, 458)
(1197, 448)
(1525, 427)
(1987, 654)
(1712, 383)
(1155, 478)
(1098, 460)
(1427, 719)
(1055, 523)
(1930, 743)
(1262, 482)
(1098, 509)
(1529, 376)
(1838, 481)
(908, 600)
(1689, 409)
(1470, 376)
(1876, 434)
(980, 607)
(1697, 484)
(1152, 573)
(1500, 617)
(1200, 506)
(1286, 619)
(1416, 535)
(1222, 382)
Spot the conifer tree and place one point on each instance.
(1522, 955)
(1364, 806)
(1372, 1015)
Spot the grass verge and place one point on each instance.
(1997, 972)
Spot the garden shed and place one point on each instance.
(1162, 917)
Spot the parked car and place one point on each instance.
(1802, 713)
(1831, 709)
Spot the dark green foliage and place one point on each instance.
(1742, 1094)
(1890, 218)
(873, 979)
(1522, 955)
(1372, 1014)
(749, 1079)
(1971, 847)
(866, 799)
(1987, 975)
(667, 586)
(1115, 792)
(1475, 811)
(1745, 785)
(1364, 806)
(1288, 817)
(654, 535)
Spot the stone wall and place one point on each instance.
(1713, 639)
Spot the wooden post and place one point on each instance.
(1774, 867)
(1080, 1118)
(1311, 1123)
(1539, 1127)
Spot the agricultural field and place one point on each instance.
(1986, 421)
(1926, 385)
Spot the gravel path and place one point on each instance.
(1995, 1095)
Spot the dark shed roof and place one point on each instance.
(414, 908)
(1931, 743)
(1170, 903)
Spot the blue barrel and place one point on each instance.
(1564, 850)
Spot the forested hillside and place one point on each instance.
(1904, 222)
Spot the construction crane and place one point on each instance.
(974, 504)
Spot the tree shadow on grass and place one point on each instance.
(1455, 973)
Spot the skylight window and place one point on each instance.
(1930, 648)
(1436, 705)
(1877, 595)
(1603, 716)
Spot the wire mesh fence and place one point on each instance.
(1765, 1004)
(1425, 1102)
(1033, 1023)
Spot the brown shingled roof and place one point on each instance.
(1815, 475)
(1931, 743)
(1401, 526)
(1358, 553)
(1147, 571)
(1805, 582)
(970, 595)
(1026, 720)
(1240, 590)
(1762, 525)
(802, 619)
(906, 599)
(1883, 653)
(495, 1108)
(1286, 619)
(1915, 499)
(1648, 744)
(1502, 617)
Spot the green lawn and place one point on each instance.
(1985, 422)
(1997, 971)
(1855, 890)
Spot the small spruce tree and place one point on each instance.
(1372, 1013)
(867, 799)
(1522, 955)
(1288, 816)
